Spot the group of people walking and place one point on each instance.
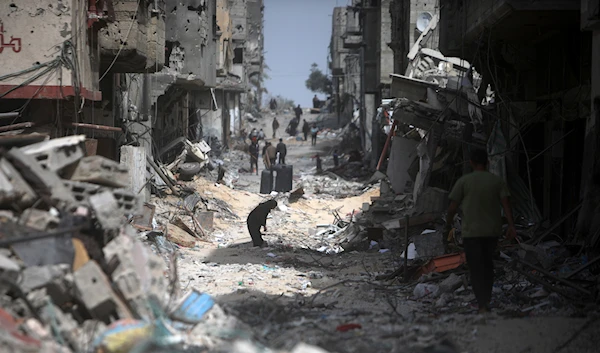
(270, 153)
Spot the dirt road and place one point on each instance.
(290, 292)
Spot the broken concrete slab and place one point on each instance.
(46, 182)
(35, 277)
(450, 284)
(48, 251)
(58, 153)
(38, 219)
(139, 275)
(429, 244)
(101, 171)
(403, 152)
(95, 292)
(17, 189)
(107, 211)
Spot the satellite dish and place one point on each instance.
(423, 20)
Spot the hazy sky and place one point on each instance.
(297, 33)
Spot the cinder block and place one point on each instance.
(45, 181)
(17, 190)
(101, 171)
(58, 153)
(107, 210)
(94, 290)
(127, 201)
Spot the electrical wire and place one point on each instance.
(133, 20)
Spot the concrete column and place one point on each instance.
(371, 108)
(134, 158)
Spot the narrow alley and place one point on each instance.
(317, 176)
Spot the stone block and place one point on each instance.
(46, 182)
(58, 153)
(107, 211)
(13, 188)
(35, 277)
(450, 284)
(101, 171)
(94, 290)
(127, 201)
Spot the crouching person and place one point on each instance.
(258, 218)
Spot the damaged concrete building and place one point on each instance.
(519, 79)
(147, 75)
(57, 72)
(361, 61)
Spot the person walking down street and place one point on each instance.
(282, 150)
(336, 158)
(253, 135)
(481, 196)
(269, 155)
(319, 164)
(275, 126)
(316, 102)
(298, 112)
(254, 149)
(305, 130)
(313, 133)
(258, 218)
(261, 135)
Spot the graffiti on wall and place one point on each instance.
(14, 43)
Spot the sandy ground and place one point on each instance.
(289, 292)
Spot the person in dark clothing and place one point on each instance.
(258, 218)
(305, 130)
(282, 150)
(481, 196)
(254, 149)
(336, 158)
(298, 112)
(275, 126)
(316, 102)
(313, 134)
(319, 164)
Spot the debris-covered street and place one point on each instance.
(430, 185)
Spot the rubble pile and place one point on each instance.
(533, 277)
(74, 275)
(331, 185)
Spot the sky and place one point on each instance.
(297, 34)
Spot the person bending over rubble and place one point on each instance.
(258, 218)
(480, 195)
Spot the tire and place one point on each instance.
(188, 170)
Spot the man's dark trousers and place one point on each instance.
(480, 252)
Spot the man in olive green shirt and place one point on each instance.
(481, 196)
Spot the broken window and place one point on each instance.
(238, 55)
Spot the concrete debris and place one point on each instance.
(58, 153)
(331, 186)
(102, 171)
